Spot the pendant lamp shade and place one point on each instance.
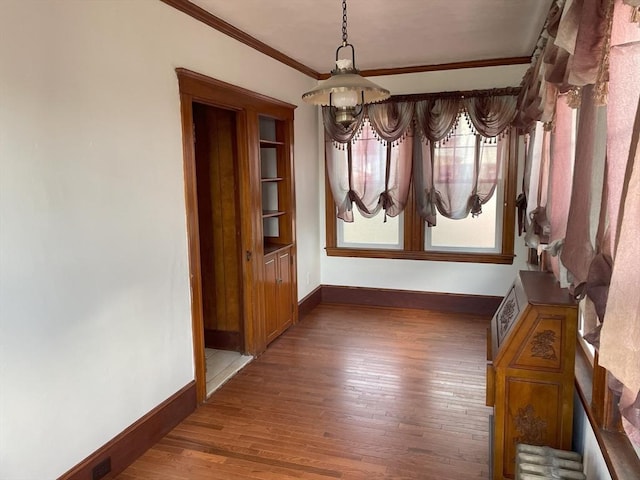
(342, 83)
(345, 91)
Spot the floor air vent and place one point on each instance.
(537, 463)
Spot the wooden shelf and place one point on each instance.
(270, 248)
(274, 179)
(272, 213)
(270, 143)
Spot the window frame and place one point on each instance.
(415, 228)
(600, 406)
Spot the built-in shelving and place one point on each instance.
(275, 181)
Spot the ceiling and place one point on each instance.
(385, 34)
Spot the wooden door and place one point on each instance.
(219, 222)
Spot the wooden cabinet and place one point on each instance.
(530, 369)
(276, 178)
(279, 307)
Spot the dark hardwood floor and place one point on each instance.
(350, 393)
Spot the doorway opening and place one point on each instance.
(220, 243)
(226, 155)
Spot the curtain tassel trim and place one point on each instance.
(476, 206)
(574, 97)
(487, 112)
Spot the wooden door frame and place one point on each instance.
(198, 88)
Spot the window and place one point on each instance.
(457, 161)
(484, 238)
(371, 232)
(453, 235)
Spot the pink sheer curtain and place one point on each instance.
(435, 120)
(369, 174)
(357, 174)
(562, 148)
(620, 335)
(532, 185)
(624, 87)
(461, 174)
(588, 181)
(454, 173)
(458, 177)
(391, 121)
(394, 198)
(422, 179)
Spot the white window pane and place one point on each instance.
(470, 233)
(370, 232)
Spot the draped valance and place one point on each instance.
(433, 117)
(370, 164)
(573, 51)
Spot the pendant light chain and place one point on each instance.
(345, 92)
(344, 23)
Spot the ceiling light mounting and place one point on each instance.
(345, 91)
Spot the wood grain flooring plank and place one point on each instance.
(348, 393)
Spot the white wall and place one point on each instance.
(466, 278)
(95, 324)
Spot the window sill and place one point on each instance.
(432, 256)
(621, 459)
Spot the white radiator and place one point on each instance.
(537, 463)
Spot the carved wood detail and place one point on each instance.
(542, 345)
(507, 313)
(531, 428)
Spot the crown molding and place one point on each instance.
(217, 23)
(492, 62)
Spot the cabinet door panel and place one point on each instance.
(271, 297)
(533, 411)
(285, 309)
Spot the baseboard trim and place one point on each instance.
(379, 297)
(308, 303)
(126, 447)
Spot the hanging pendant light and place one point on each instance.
(345, 91)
